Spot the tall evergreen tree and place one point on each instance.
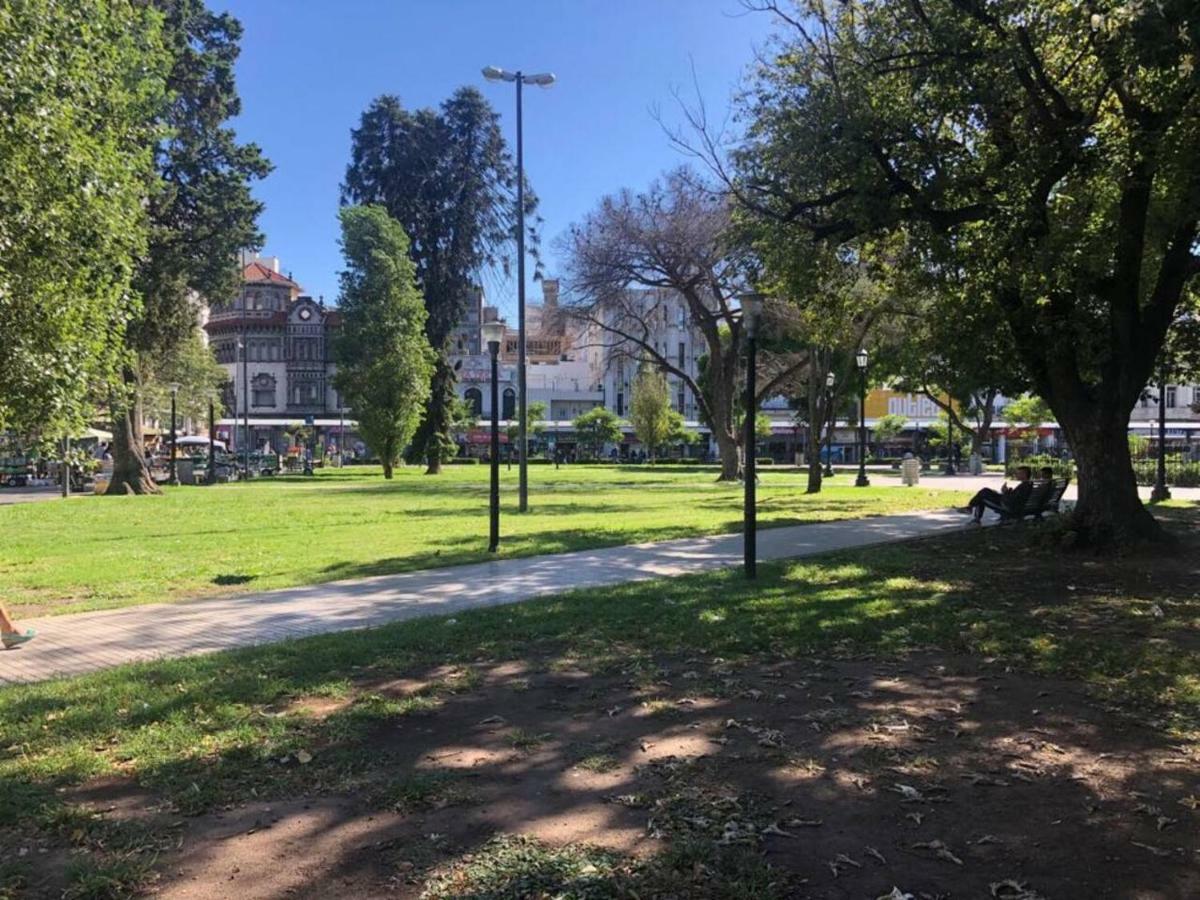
(384, 362)
(201, 212)
(447, 177)
(81, 82)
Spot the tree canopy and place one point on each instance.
(383, 359)
(447, 177)
(1045, 155)
(77, 124)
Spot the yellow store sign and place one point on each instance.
(893, 403)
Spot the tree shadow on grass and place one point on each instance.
(1021, 778)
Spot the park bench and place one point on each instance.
(1042, 501)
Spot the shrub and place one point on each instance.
(1062, 468)
(764, 461)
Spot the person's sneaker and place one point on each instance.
(975, 522)
(16, 638)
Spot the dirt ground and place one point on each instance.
(939, 777)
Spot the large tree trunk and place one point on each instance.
(727, 448)
(427, 442)
(131, 474)
(1109, 511)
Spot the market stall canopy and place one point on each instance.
(94, 434)
(195, 440)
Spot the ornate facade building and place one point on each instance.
(275, 342)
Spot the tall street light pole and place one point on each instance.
(211, 478)
(173, 479)
(493, 334)
(245, 412)
(1161, 491)
(830, 421)
(862, 361)
(545, 79)
(751, 311)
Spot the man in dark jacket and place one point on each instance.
(1008, 501)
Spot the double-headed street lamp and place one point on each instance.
(751, 311)
(173, 478)
(1161, 491)
(545, 79)
(862, 361)
(493, 334)
(830, 421)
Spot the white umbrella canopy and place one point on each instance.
(193, 440)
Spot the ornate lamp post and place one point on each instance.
(245, 409)
(493, 334)
(751, 311)
(173, 478)
(862, 360)
(830, 422)
(1161, 491)
(545, 79)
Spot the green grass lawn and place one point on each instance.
(96, 552)
(204, 732)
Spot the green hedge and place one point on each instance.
(1179, 472)
(461, 461)
(1062, 468)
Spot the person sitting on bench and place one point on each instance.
(1008, 501)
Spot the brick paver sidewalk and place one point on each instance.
(72, 644)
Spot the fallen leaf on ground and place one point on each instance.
(303, 757)
(908, 793)
(896, 894)
(1157, 851)
(872, 852)
(940, 850)
(1013, 890)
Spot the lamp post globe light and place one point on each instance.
(493, 334)
(173, 478)
(1161, 491)
(751, 313)
(520, 79)
(863, 361)
(830, 421)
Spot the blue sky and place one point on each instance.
(309, 67)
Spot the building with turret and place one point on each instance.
(275, 342)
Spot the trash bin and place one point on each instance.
(910, 471)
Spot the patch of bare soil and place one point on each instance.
(940, 778)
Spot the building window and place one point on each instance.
(1171, 396)
(509, 405)
(620, 403)
(679, 399)
(263, 390)
(473, 397)
(682, 354)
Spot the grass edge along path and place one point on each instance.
(102, 553)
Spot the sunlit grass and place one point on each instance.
(96, 552)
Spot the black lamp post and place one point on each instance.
(545, 79)
(245, 408)
(751, 310)
(493, 334)
(211, 478)
(950, 468)
(173, 478)
(1161, 491)
(862, 361)
(830, 422)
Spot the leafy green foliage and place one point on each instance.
(80, 86)
(384, 361)
(650, 409)
(535, 414)
(597, 427)
(447, 177)
(889, 427)
(1042, 157)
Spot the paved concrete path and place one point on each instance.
(85, 642)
